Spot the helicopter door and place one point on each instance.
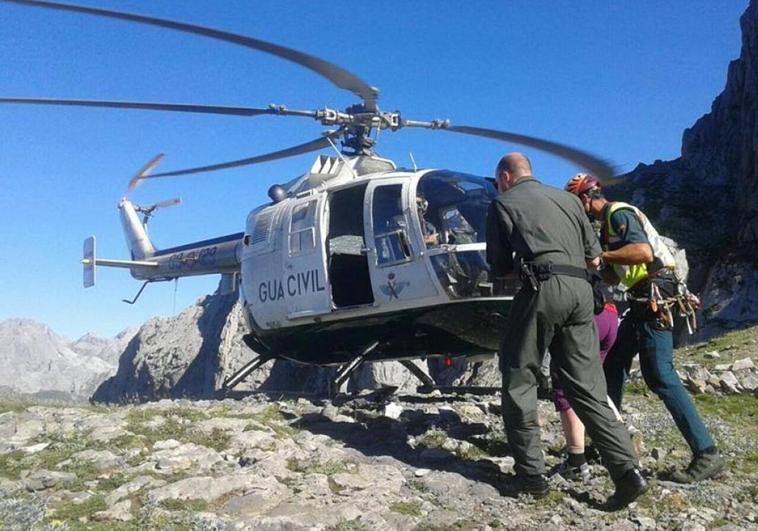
(398, 273)
(304, 282)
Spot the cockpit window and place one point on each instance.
(457, 205)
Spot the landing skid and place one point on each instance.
(251, 366)
(344, 372)
(339, 383)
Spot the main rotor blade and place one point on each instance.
(602, 169)
(313, 145)
(337, 75)
(179, 107)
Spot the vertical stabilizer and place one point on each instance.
(139, 244)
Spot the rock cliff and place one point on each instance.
(707, 199)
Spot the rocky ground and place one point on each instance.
(377, 461)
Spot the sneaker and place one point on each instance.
(629, 487)
(702, 466)
(535, 485)
(581, 473)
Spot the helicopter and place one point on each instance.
(355, 260)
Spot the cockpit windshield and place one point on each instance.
(455, 210)
(457, 205)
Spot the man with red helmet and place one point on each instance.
(636, 258)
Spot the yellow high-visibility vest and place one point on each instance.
(631, 274)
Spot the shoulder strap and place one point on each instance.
(613, 208)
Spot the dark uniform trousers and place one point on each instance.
(559, 317)
(655, 347)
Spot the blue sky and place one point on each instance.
(620, 79)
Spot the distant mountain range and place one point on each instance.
(37, 362)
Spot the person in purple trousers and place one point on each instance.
(575, 467)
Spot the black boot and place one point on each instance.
(629, 487)
(535, 485)
(703, 466)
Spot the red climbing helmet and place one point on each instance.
(581, 183)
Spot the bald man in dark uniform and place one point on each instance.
(553, 242)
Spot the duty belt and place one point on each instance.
(532, 273)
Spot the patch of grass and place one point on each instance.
(412, 508)
(12, 463)
(740, 410)
(170, 429)
(98, 526)
(470, 453)
(193, 415)
(554, 498)
(185, 505)
(61, 448)
(127, 441)
(749, 463)
(98, 408)
(162, 520)
(333, 487)
(217, 439)
(15, 407)
(283, 431)
(460, 525)
(327, 468)
(637, 388)
(269, 414)
(418, 486)
(269, 419)
(84, 470)
(434, 438)
(748, 494)
(732, 340)
(72, 511)
(142, 415)
(112, 482)
(349, 525)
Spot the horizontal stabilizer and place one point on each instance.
(89, 261)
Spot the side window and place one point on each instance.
(302, 230)
(390, 226)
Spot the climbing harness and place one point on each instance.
(683, 300)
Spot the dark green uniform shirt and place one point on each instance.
(539, 223)
(626, 226)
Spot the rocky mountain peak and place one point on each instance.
(707, 200)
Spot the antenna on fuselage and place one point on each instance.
(413, 161)
(342, 158)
